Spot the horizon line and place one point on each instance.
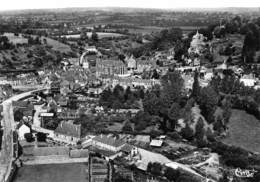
(127, 7)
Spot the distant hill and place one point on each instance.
(132, 9)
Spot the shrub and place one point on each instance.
(171, 174)
(155, 168)
(41, 137)
(127, 127)
(187, 133)
(28, 137)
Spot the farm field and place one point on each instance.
(244, 131)
(153, 29)
(56, 45)
(100, 35)
(53, 172)
(16, 39)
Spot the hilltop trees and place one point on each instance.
(166, 38)
(251, 42)
(94, 36)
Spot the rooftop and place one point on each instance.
(109, 140)
(69, 129)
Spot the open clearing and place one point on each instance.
(244, 131)
(53, 172)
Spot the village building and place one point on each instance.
(108, 143)
(111, 67)
(248, 80)
(22, 129)
(135, 82)
(156, 143)
(197, 44)
(131, 63)
(68, 132)
(145, 64)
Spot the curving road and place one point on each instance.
(8, 123)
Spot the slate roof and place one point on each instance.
(109, 140)
(69, 129)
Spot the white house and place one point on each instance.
(156, 143)
(248, 80)
(22, 129)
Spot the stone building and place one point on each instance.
(111, 67)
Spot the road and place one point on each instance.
(8, 123)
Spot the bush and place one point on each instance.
(18, 115)
(171, 174)
(237, 161)
(155, 133)
(28, 137)
(187, 133)
(127, 127)
(41, 137)
(154, 168)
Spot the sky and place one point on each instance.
(162, 4)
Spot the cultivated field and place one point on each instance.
(100, 35)
(16, 39)
(56, 45)
(53, 172)
(244, 131)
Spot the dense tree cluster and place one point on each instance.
(120, 98)
(239, 95)
(171, 174)
(163, 40)
(167, 101)
(5, 43)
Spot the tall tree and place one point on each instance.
(152, 103)
(208, 100)
(199, 130)
(172, 88)
(171, 174)
(94, 36)
(195, 86)
(174, 114)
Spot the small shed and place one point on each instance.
(156, 143)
